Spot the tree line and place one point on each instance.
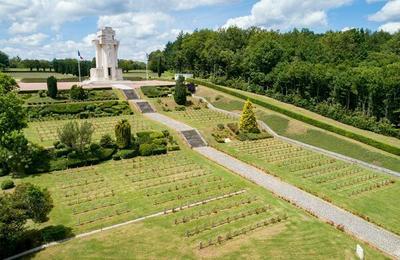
(65, 66)
(351, 76)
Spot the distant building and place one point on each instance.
(106, 57)
(185, 75)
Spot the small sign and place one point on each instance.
(360, 252)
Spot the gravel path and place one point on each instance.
(364, 230)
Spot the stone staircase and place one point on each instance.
(145, 107)
(130, 94)
(193, 138)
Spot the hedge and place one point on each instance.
(303, 118)
(44, 80)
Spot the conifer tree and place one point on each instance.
(248, 121)
(123, 134)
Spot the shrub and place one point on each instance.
(174, 147)
(148, 149)
(78, 93)
(191, 87)
(106, 141)
(52, 87)
(156, 134)
(220, 126)
(180, 92)
(105, 153)
(42, 93)
(248, 121)
(123, 134)
(7, 184)
(165, 133)
(76, 136)
(127, 153)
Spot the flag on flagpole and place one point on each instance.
(79, 55)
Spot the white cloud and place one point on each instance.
(285, 14)
(391, 27)
(140, 32)
(347, 28)
(30, 40)
(23, 27)
(389, 12)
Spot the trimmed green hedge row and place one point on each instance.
(366, 140)
(44, 80)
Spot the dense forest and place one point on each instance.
(351, 76)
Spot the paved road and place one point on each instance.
(364, 230)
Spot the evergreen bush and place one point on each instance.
(52, 87)
(123, 134)
(248, 121)
(180, 92)
(7, 184)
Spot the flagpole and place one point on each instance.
(79, 69)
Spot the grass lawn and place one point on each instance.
(300, 131)
(370, 193)
(37, 74)
(94, 197)
(251, 224)
(45, 132)
(384, 139)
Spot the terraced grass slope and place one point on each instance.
(302, 132)
(385, 143)
(366, 193)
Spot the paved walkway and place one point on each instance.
(364, 230)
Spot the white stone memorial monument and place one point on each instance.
(106, 57)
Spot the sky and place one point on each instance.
(47, 29)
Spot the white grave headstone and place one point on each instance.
(360, 252)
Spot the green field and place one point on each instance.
(37, 75)
(328, 178)
(252, 223)
(300, 131)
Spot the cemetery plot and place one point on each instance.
(202, 117)
(209, 206)
(331, 174)
(45, 132)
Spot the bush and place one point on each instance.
(152, 149)
(127, 153)
(7, 184)
(180, 92)
(123, 134)
(52, 87)
(106, 141)
(42, 93)
(174, 147)
(105, 154)
(78, 93)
